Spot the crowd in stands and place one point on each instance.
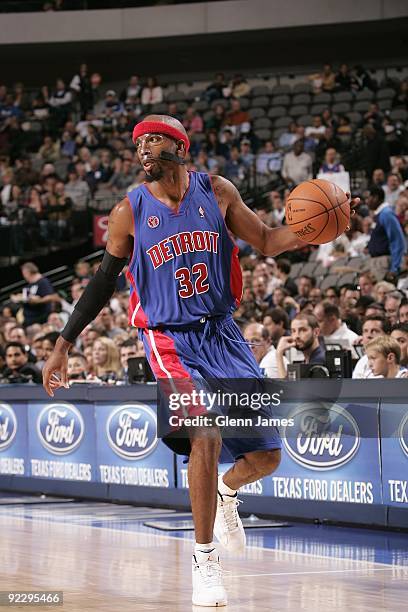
(65, 145)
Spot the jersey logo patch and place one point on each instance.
(201, 212)
(153, 221)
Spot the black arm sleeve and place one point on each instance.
(98, 291)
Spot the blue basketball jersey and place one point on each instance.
(185, 264)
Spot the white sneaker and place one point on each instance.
(208, 589)
(228, 528)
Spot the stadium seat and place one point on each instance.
(221, 102)
(244, 102)
(159, 108)
(399, 114)
(281, 100)
(357, 263)
(385, 92)
(201, 105)
(385, 104)
(364, 94)
(296, 270)
(301, 88)
(305, 120)
(208, 115)
(328, 281)
(341, 107)
(309, 267)
(277, 133)
(283, 122)
(255, 113)
(263, 134)
(262, 123)
(260, 90)
(322, 98)
(317, 109)
(301, 99)
(342, 96)
(175, 96)
(362, 106)
(260, 101)
(182, 106)
(297, 111)
(277, 111)
(320, 270)
(281, 89)
(349, 278)
(354, 117)
(195, 94)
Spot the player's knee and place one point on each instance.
(268, 461)
(206, 440)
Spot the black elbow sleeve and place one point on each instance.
(97, 293)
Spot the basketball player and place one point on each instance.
(185, 280)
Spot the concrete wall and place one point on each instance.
(190, 19)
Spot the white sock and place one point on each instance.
(223, 488)
(204, 548)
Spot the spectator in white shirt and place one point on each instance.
(332, 328)
(297, 165)
(264, 352)
(373, 326)
(152, 93)
(392, 189)
(384, 357)
(316, 130)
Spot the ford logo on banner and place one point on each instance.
(60, 428)
(324, 436)
(131, 430)
(8, 426)
(402, 433)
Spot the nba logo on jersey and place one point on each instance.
(201, 212)
(153, 221)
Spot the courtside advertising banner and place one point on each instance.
(62, 441)
(13, 439)
(394, 453)
(330, 452)
(128, 449)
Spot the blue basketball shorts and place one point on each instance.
(212, 350)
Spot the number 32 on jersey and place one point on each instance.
(194, 281)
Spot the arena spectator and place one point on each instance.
(344, 79)
(378, 178)
(331, 162)
(392, 303)
(283, 268)
(17, 369)
(393, 189)
(152, 93)
(399, 332)
(37, 296)
(105, 322)
(304, 285)
(373, 327)
(332, 328)
(237, 119)
(269, 161)
(276, 321)
(374, 151)
(77, 190)
(77, 370)
(297, 165)
(384, 357)
(387, 236)
(133, 90)
(305, 338)
(217, 89)
(106, 362)
(264, 352)
(288, 138)
(366, 282)
(403, 312)
(324, 80)
(316, 130)
(239, 86)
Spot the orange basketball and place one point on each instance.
(317, 211)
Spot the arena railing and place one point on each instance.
(24, 6)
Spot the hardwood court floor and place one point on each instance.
(103, 559)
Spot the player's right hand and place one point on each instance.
(55, 372)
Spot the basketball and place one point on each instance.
(317, 211)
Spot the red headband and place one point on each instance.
(157, 127)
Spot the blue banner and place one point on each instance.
(331, 453)
(13, 439)
(62, 441)
(394, 453)
(128, 450)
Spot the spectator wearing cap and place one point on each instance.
(387, 236)
(332, 328)
(283, 268)
(246, 154)
(264, 352)
(384, 357)
(297, 165)
(373, 326)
